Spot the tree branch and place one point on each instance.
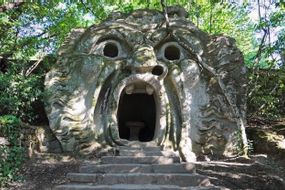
(34, 66)
(211, 18)
(88, 9)
(238, 117)
(164, 8)
(266, 34)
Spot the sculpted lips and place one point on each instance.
(139, 88)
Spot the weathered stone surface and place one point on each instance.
(138, 168)
(131, 187)
(146, 153)
(116, 168)
(140, 160)
(182, 180)
(182, 86)
(144, 149)
(38, 139)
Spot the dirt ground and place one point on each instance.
(259, 172)
(43, 174)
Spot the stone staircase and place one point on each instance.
(139, 166)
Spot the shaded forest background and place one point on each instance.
(30, 34)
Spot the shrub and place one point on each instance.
(11, 154)
(18, 95)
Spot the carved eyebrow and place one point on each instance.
(167, 38)
(113, 35)
(117, 36)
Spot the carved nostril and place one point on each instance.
(157, 70)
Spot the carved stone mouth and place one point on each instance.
(136, 113)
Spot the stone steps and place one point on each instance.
(178, 179)
(137, 148)
(139, 167)
(130, 187)
(139, 153)
(139, 160)
(137, 144)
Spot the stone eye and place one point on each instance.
(171, 51)
(111, 50)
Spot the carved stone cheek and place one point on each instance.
(191, 72)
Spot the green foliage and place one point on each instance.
(227, 19)
(11, 155)
(266, 87)
(267, 99)
(18, 94)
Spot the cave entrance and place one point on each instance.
(136, 116)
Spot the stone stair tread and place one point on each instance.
(139, 159)
(183, 180)
(118, 187)
(139, 152)
(156, 149)
(129, 187)
(141, 144)
(120, 148)
(142, 168)
(115, 168)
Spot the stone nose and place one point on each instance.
(144, 61)
(160, 71)
(144, 56)
(157, 70)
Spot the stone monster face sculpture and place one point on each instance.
(132, 78)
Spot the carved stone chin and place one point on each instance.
(131, 79)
